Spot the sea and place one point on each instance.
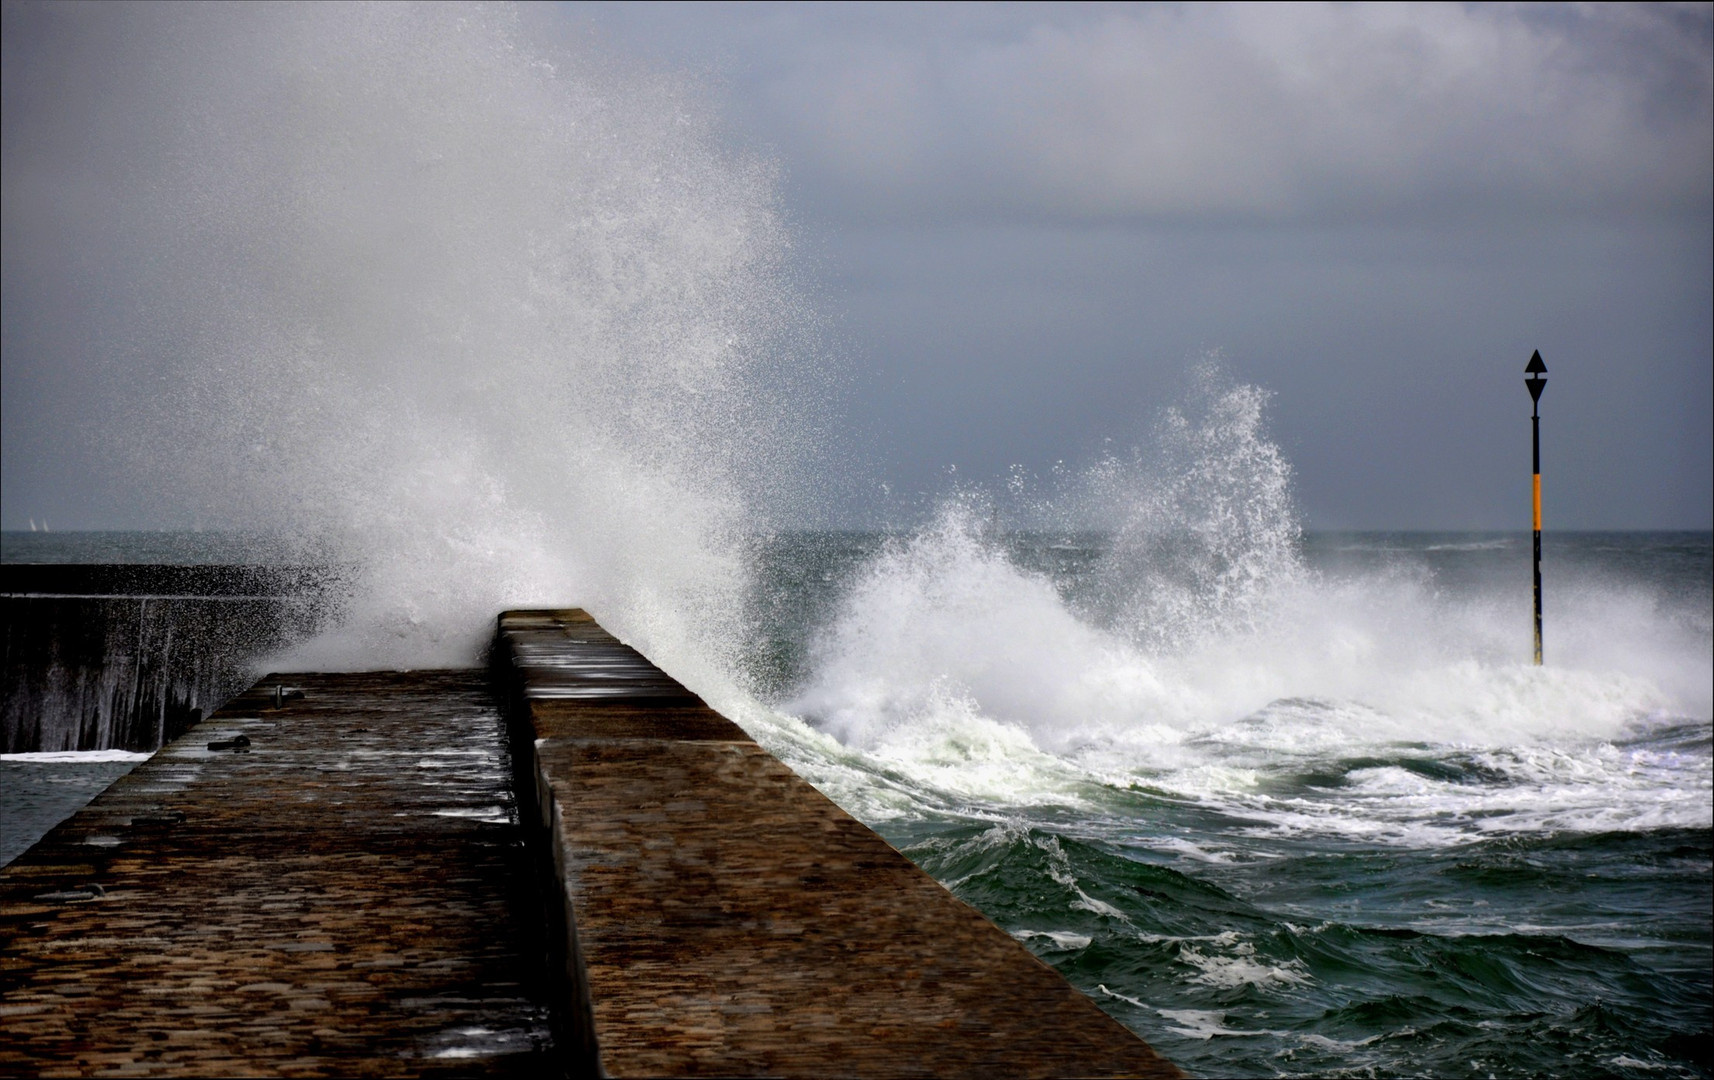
(1351, 831)
(1357, 834)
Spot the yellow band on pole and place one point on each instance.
(1538, 502)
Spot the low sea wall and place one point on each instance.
(101, 657)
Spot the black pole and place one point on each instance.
(1535, 378)
(1535, 438)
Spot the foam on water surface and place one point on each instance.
(949, 662)
(1291, 805)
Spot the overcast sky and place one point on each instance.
(1021, 224)
(1031, 216)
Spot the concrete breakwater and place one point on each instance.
(392, 876)
(128, 657)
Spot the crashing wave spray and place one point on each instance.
(1204, 653)
(494, 324)
(945, 622)
(1206, 528)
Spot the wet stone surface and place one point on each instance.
(341, 884)
(345, 895)
(731, 920)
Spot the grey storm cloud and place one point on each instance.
(1019, 224)
(1032, 215)
(1259, 112)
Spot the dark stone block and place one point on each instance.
(130, 657)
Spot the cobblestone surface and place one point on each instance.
(346, 896)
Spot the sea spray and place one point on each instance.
(488, 320)
(1334, 822)
(1204, 526)
(1194, 647)
(945, 627)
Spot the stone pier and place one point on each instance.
(345, 895)
(343, 883)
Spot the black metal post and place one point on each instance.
(1535, 378)
(1535, 438)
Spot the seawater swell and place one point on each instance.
(1301, 885)
(1329, 959)
(1287, 804)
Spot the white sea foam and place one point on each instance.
(1200, 1023)
(1115, 995)
(1059, 940)
(1240, 967)
(1180, 846)
(953, 668)
(1229, 665)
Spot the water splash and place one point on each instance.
(1198, 652)
(1204, 544)
(1205, 527)
(494, 321)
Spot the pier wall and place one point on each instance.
(718, 915)
(344, 894)
(129, 657)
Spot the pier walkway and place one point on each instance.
(345, 896)
(356, 892)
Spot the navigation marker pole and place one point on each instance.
(1535, 377)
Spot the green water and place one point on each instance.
(39, 791)
(1299, 888)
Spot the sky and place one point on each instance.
(1021, 225)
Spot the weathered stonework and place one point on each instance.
(346, 897)
(350, 889)
(727, 918)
